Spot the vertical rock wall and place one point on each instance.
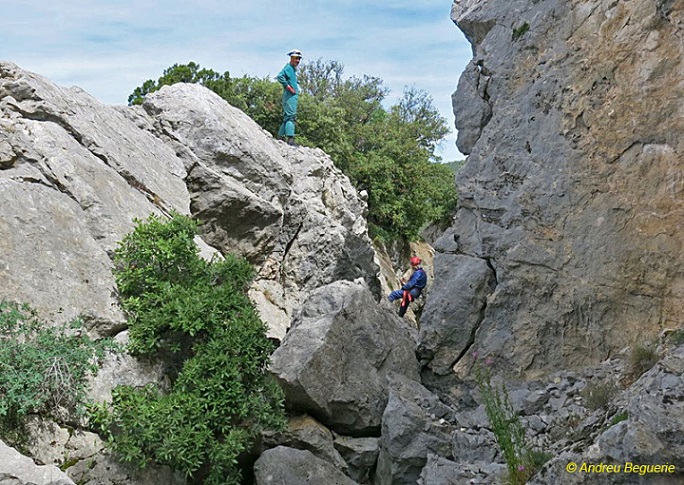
(572, 113)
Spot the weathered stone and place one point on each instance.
(287, 466)
(361, 455)
(440, 471)
(86, 459)
(305, 433)
(15, 466)
(451, 318)
(474, 447)
(49, 259)
(334, 362)
(573, 189)
(414, 424)
(473, 114)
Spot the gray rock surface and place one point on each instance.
(451, 318)
(649, 433)
(414, 424)
(75, 173)
(440, 471)
(334, 362)
(17, 469)
(305, 433)
(287, 466)
(360, 454)
(573, 188)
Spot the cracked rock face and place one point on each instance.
(335, 361)
(74, 173)
(573, 115)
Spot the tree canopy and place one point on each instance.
(387, 151)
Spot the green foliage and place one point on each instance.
(182, 73)
(390, 152)
(618, 418)
(221, 396)
(522, 461)
(455, 166)
(520, 31)
(43, 368)
(597, 395)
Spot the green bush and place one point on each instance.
(198, 313)
(618, 418)
(520, 31)
(43, 369)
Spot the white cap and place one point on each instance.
(295, 53)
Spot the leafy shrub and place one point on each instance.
(221, 397)
(521, 460)
(598, 395)
(43, 368)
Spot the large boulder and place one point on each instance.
(572, 192)
(17, 469)
(72, 181)
(360, 454)
(305, 433)
(415, 424)
(334, 362)
(290, 211)
(451, 318)
(288, 466)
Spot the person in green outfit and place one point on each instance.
(288, 78)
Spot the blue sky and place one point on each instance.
(110, 47)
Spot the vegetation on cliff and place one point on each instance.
(389, 152)
(196, 317)
(43, 368)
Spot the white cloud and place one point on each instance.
(110, 47)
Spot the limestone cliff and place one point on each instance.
(568, 236)
(74, 174)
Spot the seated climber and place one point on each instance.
(412, 288)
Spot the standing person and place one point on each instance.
(412, 288)
(288, 78)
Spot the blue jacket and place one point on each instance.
(418, 281)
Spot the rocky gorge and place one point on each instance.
(564, 257)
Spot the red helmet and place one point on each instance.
(415, 261)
